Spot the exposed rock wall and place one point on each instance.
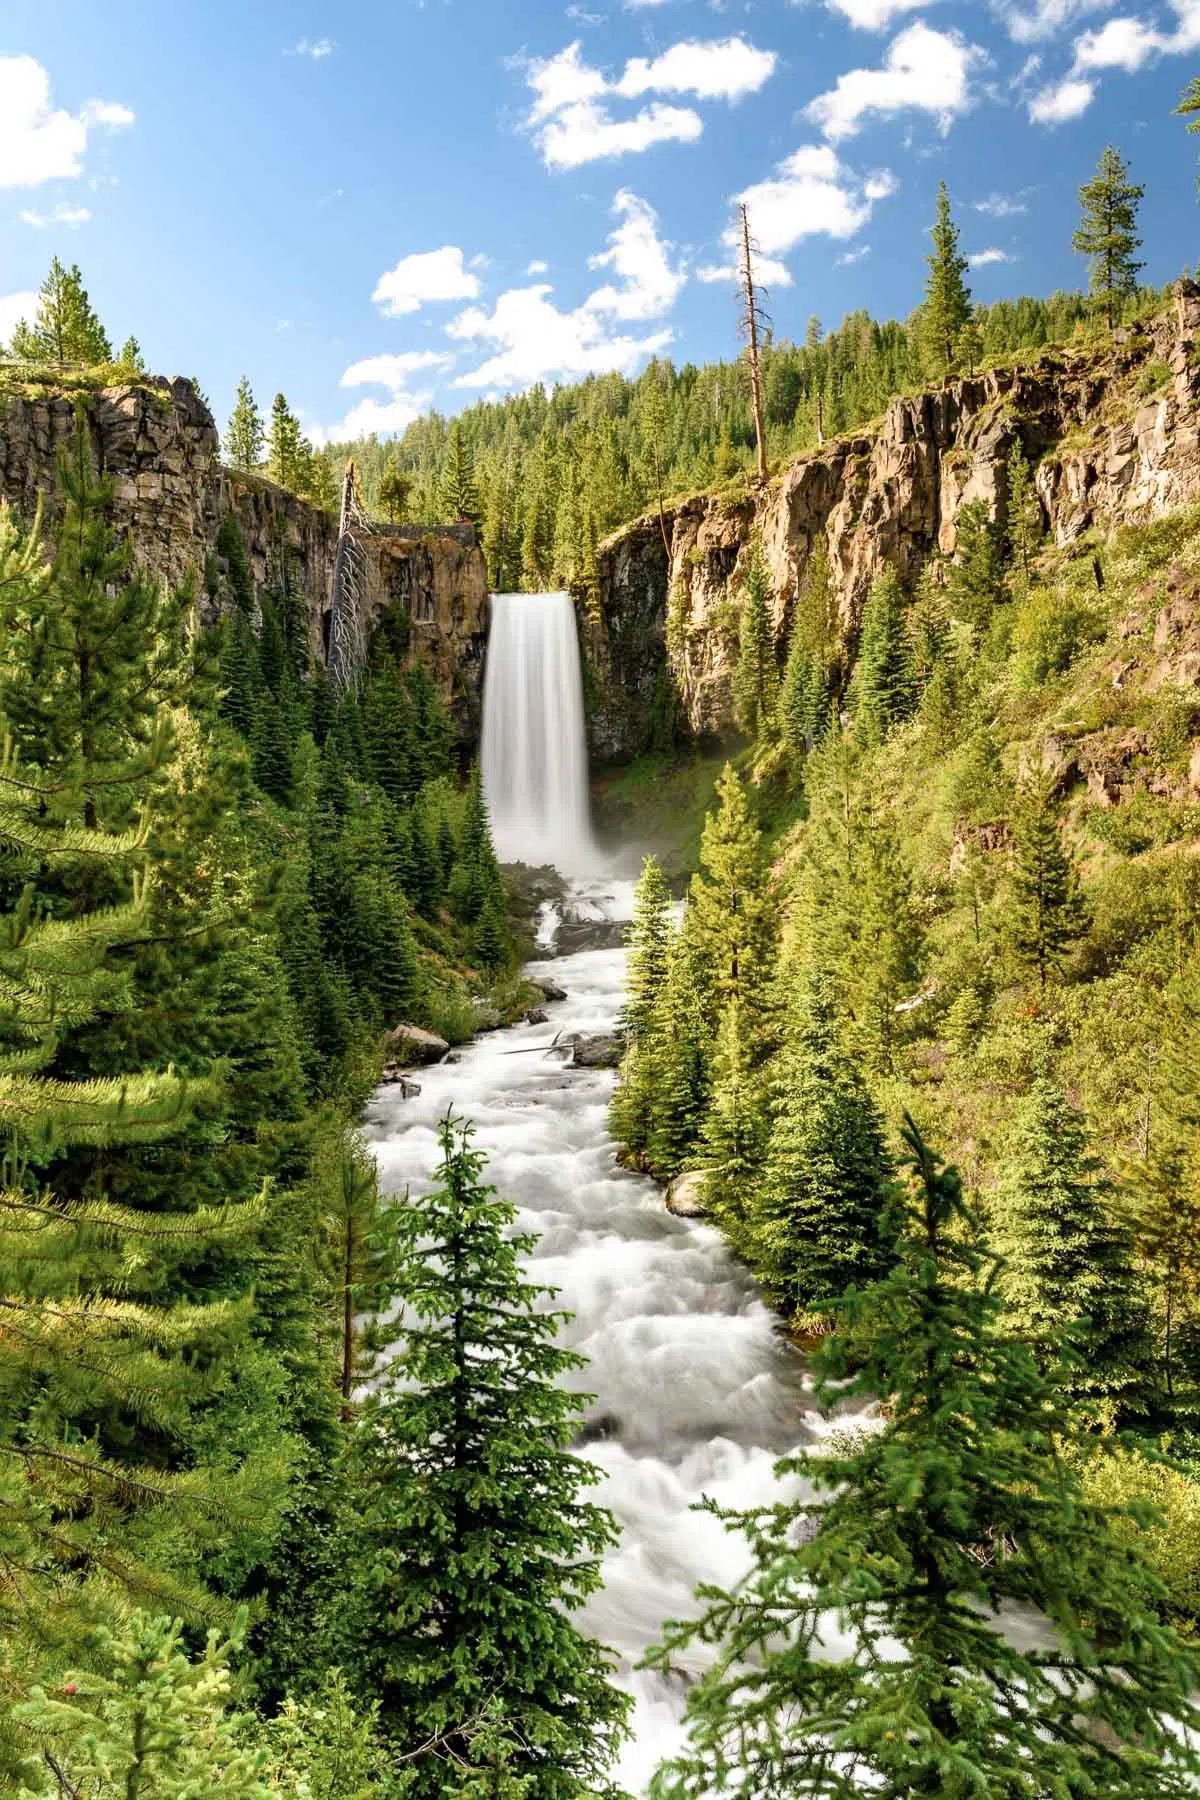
(156, 442)
(1114, 434)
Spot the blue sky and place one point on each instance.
(379, 207)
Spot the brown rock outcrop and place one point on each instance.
(1114, 432)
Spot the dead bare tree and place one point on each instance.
(753, 321)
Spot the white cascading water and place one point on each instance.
(534, 751)
(696, 1393)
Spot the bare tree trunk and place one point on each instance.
(750, 322)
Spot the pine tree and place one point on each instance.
(466, 1542)
(821, 1220)
(1023, 521)
(1107, 233)
(756, 678)
(649, 943)
(947, 304)
(283, 445)
(395, 487)
(1068, 1264)
(1049, 911)
(131, 356)
(65, 328)
(158, 1722)
(459, 497)
(810, 675)
(245, 437)
(734, 1137)
(919, 1541)
(677, 1070)
(730, 924)
(976, 576)
(883, 690)
(1189, 104)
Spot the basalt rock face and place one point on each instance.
(1113, 432)
(156, 442)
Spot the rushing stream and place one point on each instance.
(695, 1392)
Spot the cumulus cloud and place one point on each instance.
(70, 216)
(982, 259)
(1046, 18)
(585, 133)
(852, 256)
(571, 117)
(768, 272)
(41, 143)
(1001, 206)
(924, 70)
(384, 418)
(1119, 44)
(393, 368)
(532, 339)
(14, 308)
(537, 267)
(726, 69)
(647, 285)
(1064, 100)
(429, 275)
(811, 193)
(317, 49)
(873, 15)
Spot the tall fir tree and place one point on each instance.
(467, 1541)
(730, 930)
(649, 941)
(756, 677)
(921, 1540)
(244, 438)
(1068, 1264)
(1049, 912)
(1107, 233)
(395, 487)
(284, 458)
(65, 327)
(1023, 521)
(975, 578)
(810, 676)
(883, 690)
(677, 1072)
(734, 1137)
(946, 307)
(458, 493)
(821, 1222)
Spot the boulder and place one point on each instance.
(589, 934)
(597, 1050)
(551, 990)
(410, 1044)
(685, 1196)
(537, 1015)
(393, 1076)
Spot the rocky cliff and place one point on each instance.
(157, 443)
(1113, 432)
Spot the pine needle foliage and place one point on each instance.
(994, 1636)
(468, 1543)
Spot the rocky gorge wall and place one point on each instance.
(156, 442)
(1113, 433)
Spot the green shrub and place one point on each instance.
(1050, 628)
(1121, 1477)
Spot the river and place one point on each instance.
(695, 1391)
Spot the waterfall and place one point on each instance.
(534, 744)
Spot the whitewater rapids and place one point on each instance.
(695, 1391)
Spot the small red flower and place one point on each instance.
(70, 1688)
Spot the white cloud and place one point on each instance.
(925, 70)
(38, 143)
(384, 418)
(586, 133)
(1065, 100)
(316, 48)
(982, 259)
(719, 69)
(768, 272)
(1046, 17)
(537, 267)
(810, 193)
(1120, 44)
(14, 308)
(535, 340)
(649, 285)
(393, 368)
(573, 123)
(852, 256)
(429, 275)
(1001, 206)
(70, 216)
(873, 15)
